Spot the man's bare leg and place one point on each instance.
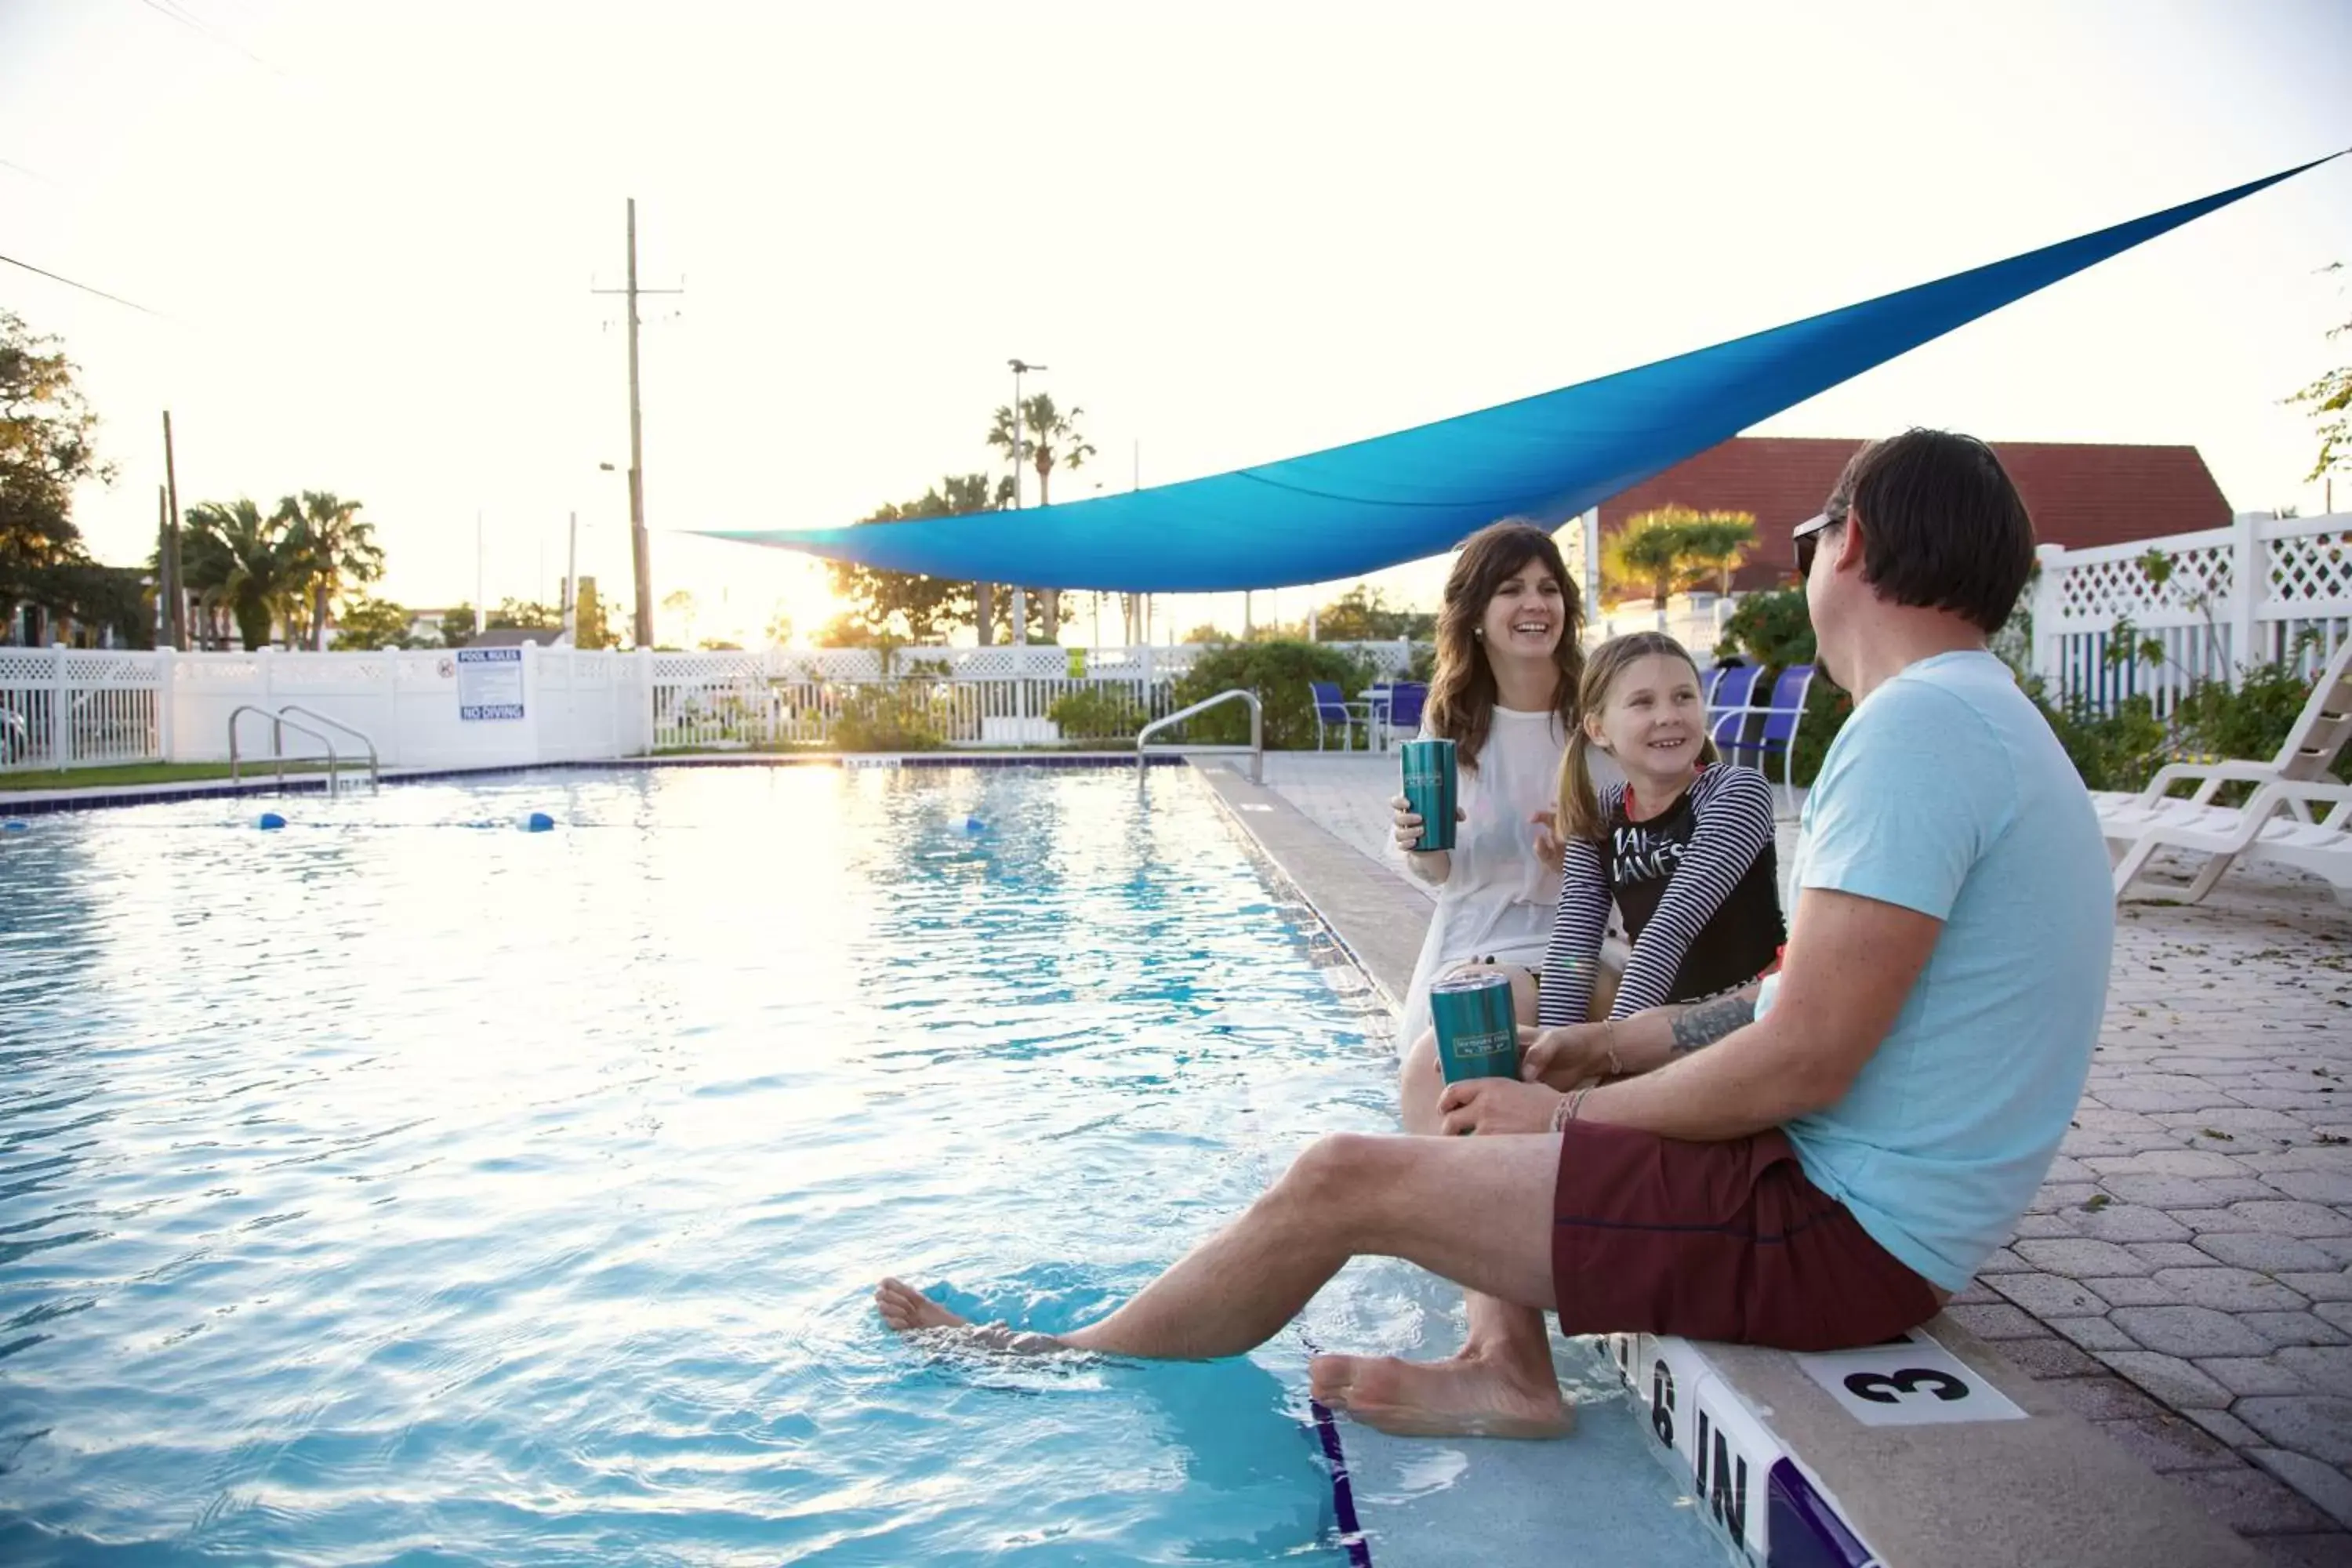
(1501, 1383)
(1475, 1210)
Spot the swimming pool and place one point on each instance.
(399, 1185)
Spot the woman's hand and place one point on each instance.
(1550, 847)
(1497, 1105)
(1408, 826)
(1568, 1056)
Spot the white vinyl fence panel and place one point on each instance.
(62, 708)
(2263, 589)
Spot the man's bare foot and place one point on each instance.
(909, 1311)
(905, 1309)
(1466, 1396)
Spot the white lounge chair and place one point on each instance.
(2291, 783)
(2319, 733)
(2276, 825)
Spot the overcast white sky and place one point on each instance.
(1234, 232)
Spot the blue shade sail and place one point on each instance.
(1355, 508)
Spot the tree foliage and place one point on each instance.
(907, 607)
(328, 546)
(367, 625)
(48, 446)
(525, 614)
(1363, 613)
(1715, 545)
(1672, 549)
(1278, 672)
(2330, 401)
(1048, 439)
(1772, 630)
(237, 566)
(590, 626)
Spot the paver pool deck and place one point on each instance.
(2183, 1281)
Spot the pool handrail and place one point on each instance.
(376, 774)
(279, 724)
(1257, 747)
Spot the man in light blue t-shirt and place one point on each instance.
(1947, 799)
(1859, 1130)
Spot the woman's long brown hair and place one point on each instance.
(1462, 692)
(1580, 804)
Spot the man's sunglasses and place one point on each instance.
(1807, 538)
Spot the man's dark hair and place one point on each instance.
(1942, 525)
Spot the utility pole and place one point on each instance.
(571, 586)
(640, 550)
(162, 568)
(1020, 594)
(478, 572)
(175, 604)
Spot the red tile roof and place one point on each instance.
(2079, 495)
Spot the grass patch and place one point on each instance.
(145, 773)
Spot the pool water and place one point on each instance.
(403, 1186)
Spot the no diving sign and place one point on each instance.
(1909, 1382)
(489, 683)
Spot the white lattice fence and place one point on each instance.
(2264, 588)
(62, 708)
(962, 695)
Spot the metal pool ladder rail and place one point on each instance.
(279, 723)
(1257, 747)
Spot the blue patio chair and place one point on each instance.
(1330, 709)
(1726, 707)
(1372, 701)
(1781, 717)
(1405, 700)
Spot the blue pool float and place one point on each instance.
(537, 822)
(13, 826)
(269, 822)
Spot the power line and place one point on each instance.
(197, 25)
(61, 278)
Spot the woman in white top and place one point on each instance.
(1508, 666)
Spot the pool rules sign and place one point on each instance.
(489, 683)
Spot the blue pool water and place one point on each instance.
(400, 1185)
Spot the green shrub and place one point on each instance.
(1278, 672)
(2253, 721)
(1827, 708)
(1772, 630)
(2116, 750)
(888, 717)
(1097, 712)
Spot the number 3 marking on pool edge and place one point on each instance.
(1886, 1388)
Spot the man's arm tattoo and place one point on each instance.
(1709, 1021)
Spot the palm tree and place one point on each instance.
(1051, 439)
(333, 546)
(1654, 552)
(1714, 544)
(964, 494)
(234, 556)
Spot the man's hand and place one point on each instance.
(1564, 1058)
(1496, 1104)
